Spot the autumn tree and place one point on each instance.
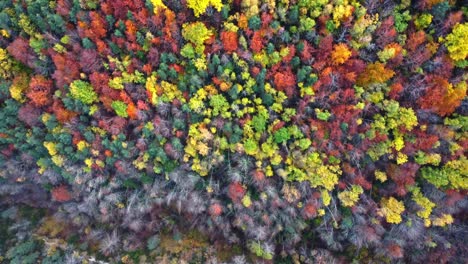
(441, 96)
(40, 90)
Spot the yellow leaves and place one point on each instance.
(380, 175)
(443, 220)
(340, 54)
(326, 198)
(392, 209)
(199, 6)
(458, 175)
(26, 25)
(228, 26)
(250, 7)
(164, 91)
(325, 176)
(58, 160)
(157, 4)
(456, 42)
(246, 201)
(19, 86)
(387, 53)
(6, 64)
(202, 149)
(425, 204)
(4, 33)
(200, 64)
(401, 158)
(398, 143)
(374, 73)
(349, 197)
(51, 147)
(116, 83)
(196, 104)
(200, 167)
(196, 33)
(81, 145)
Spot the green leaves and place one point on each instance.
(83, 91)
(282, 135)
(120, 108)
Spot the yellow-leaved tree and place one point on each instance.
(199, 6)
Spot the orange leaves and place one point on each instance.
(131, 30)
(340, 54)
(98, 27)
(285, 81)
(63, 115)
(243, 22)
(415, 40)
(229, 40)
(441, 97)
(40, 90)
(256, 44)
(375, 73)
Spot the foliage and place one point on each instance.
(83, 91)
(349, 197)
(456, 42)
(392, 209)
(268, 127)
(199, 6)
(120, 108)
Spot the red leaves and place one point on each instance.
(403, 176)
(90, 61)
(98, 26)
(258, 177)
(215, 210)
(61, 194)
(395, 251)
(67, 69)
(415, 40)
(309, 211)
(63, 115)
(20, 50)
(256, 44)
(386, 33)
(40, 91)
(229, 40)
(440, 97)
(236, 192)
(395, 90)
(285, 81)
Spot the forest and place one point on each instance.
(233, 131)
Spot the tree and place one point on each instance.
(229, 40)
(285, 81)
(374, 73)
(83, 91)
(21, 51)
(90, 61)
(120, 108)
(199, 6)
(256, 44)
(67, 69)
(392, 209)
(456, 42)
(40, 90)
(340, 54)
(61, 194)
(441, 96)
